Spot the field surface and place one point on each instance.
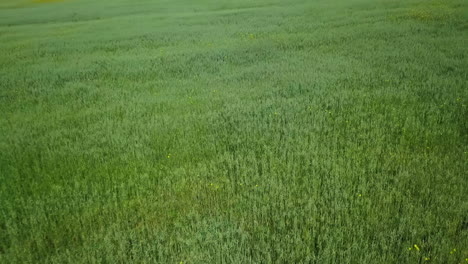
(203, 131)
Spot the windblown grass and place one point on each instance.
(234, 132)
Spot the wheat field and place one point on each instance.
(243, 131)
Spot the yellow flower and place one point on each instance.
(256, 185)
(426, 258)
(410, 248)
(359, 195)
(416, 247)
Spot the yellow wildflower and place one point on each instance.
(416, 247)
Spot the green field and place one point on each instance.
(243, 131)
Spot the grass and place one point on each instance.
(233, 131)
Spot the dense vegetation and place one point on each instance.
(203, 131)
